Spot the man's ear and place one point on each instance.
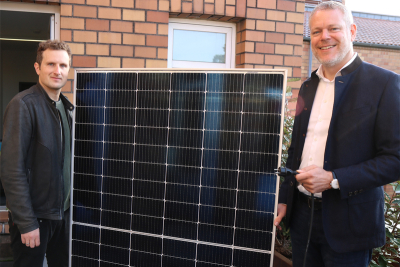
(353, 31)
(37, 68)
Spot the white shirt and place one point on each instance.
(318, 125)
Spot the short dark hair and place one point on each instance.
(52, 45)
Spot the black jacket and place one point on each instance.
(362, 148)
(32, 158)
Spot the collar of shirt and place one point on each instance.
(318, 125)
(320, 73)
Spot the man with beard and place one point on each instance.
(36, 162)
(345, 146)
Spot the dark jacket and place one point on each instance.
(362, 148)
(32, 158)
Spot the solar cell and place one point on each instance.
(175, 168)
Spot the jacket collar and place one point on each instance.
(67, 104)
(349, 69)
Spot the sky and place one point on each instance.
(385, 7)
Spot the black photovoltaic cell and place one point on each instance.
(175, 169)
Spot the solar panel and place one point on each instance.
(175, 168)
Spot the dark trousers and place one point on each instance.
(319, 253)
(54, 236)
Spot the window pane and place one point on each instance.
(199, 46)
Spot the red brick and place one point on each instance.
(273, 60)
(146, 52)
(284, 27)
(252, 3)
(97, 25)
(147, 28)
(220, 7)
(156, 40)
(187, 7)
(84, 61)
(286, 5)
(256, 13)
(257, 36)
(66, 10)
(122, 51)
(66, 35)
(293, 61)
(82, 2)
(146, 4)
(270, 4)
(162, 53)
(252, 58)
(265, 48)
(294, 39)
(272, 37)
(241, 8)
(209, 9)
(67, 87)
(121, 26)
(230, 11)
(296, 72)
(238, 60)
(85, 11)
(176, 6)
(198, 6)
(156, 16)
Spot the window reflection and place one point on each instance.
(199, 46)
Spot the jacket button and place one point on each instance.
(305, 108)
(350, 194)
(356, 192)
(304, 134)
(291, 183)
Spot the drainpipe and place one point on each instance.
(310, 55)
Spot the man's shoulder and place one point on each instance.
(369, 68)
(28, 96)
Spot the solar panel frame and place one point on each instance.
(239, 254)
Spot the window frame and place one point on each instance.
(205, 26)
(37, 8)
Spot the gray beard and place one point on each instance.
(337, 59)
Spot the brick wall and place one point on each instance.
(134, 33)
(386, 58)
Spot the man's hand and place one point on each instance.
(280, 215)
(314, 179)
(31, 239)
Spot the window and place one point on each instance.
(201, 44)
(22, 27)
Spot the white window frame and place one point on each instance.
(37, 8)
(205, 26)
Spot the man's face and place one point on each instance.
(53, 71)
(331, 39)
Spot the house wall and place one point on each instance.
(386, 58)
(134, 33)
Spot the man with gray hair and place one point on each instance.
(36, 162)
(345, 146)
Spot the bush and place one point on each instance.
(389, 254)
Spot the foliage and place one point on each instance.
(288, 123)
(282, 240)
(389, 254)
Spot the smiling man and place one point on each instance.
(345, 146)
(36, 162)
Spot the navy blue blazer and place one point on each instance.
(362, 148)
